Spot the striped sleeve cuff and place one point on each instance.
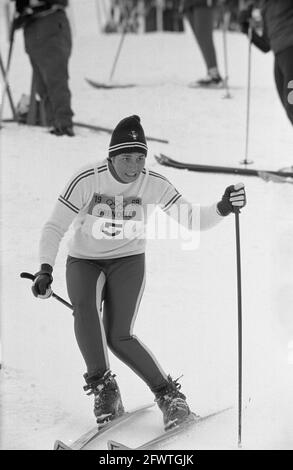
(170, 203)
(68, 204)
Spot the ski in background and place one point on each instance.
(95, 432)
(108, 86)
(109, 131)
(166, 435)
(285, 178)
(95, 128)
(167, 161)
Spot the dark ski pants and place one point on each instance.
(284, 79)
(118, 284)
(48, 44)
(201, 20)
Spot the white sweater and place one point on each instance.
(110, 217)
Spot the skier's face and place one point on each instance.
(128, 166)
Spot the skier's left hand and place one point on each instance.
(233, 198)
(41, 287)
(244, 18)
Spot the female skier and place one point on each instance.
(106, 264)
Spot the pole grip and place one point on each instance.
(30, 276)
(26, 275)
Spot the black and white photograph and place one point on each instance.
(146, 237)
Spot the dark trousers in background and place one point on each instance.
(201, 20)
(48, 44)
(284, 75)
(119, 284)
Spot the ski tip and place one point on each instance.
(108, 86)
(96, 84)
(164, 158)
(160, 158)
(59, 445)
(114, 445)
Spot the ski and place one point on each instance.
(167, 161)
(166, 435)
(95, 432)
(95, 128)
(109, 86)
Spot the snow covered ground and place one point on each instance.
(188, 316)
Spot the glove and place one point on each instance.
(234, 197)
(19, 22)
(42, 284)
(243, 19)
(23, 17)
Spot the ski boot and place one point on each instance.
(212, 80)
(172, 404)
(108, 404)
(63, 130)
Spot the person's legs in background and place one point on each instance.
(201, 20)
(48, 44)
(41, 90)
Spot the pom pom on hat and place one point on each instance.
(128, 137)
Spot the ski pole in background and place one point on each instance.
(239, 300)
(126, 19)
(12, 106)
(118, 51)
(30, 276)
(226, 22)
(99, 14)
(6, 71)
(248, 95)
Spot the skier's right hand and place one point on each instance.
(42, 284)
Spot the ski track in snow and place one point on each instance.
(190, 298)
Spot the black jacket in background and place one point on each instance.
(278, 23)
(197, 3)
(22, 5)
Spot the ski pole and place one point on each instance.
(12, 106)
(99, 15)
(226, 21)
(246, 161)
(239, 299)
(118, 52)
(124, 31)
(30, 276)
(6, 71)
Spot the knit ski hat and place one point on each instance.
(128, 137)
